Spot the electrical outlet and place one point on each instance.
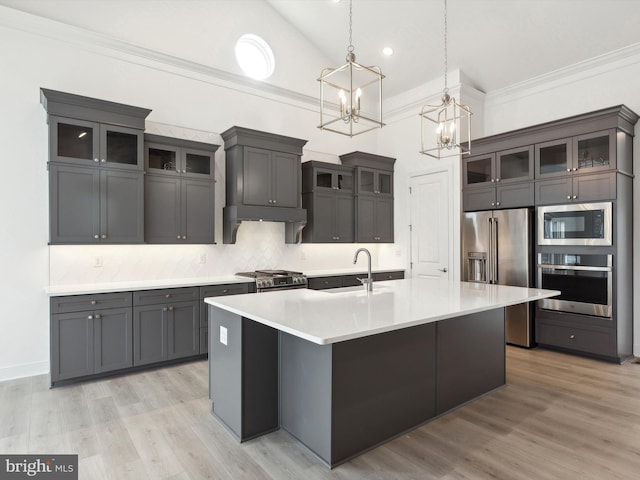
(202, 258)
(98, 261)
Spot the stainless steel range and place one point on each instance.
(272, 280)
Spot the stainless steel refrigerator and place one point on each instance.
(497, 248)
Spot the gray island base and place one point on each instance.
(343, 397)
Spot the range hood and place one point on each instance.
(263, 181)
(295, 219)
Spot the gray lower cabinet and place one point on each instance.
(179, 210)
(339, 281)
(165, 326)
(95, 205)
(90, 342)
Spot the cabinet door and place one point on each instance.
(322, 218)
(160, 159)
(162, 209)
(184, 330)
(197, 199)
(74, 141)
(121, 147)
(197, 163)
(366, 180)
(479, 170)
(121, 206)
(74, 204)
(113, 344)
(384, 220)
(384, 183)
(514, 165)
(285, 189)
(479, 199)
(515, 195)
(594, 152)
(587, 188)
(553, 191)
(71, 345)
(366, 219)
(343, 218)
(149, 334)
(553, 159)
(257, 176)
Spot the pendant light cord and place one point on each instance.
(350, 48)
(446, 89)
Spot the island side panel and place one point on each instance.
(305, 393)
(383, 385)
(225, 368)
(471, 357)
(259, 379)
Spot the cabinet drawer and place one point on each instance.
(352, 280)
(226, 289)
(399, 275)
(322, 283)
(167, 295)
(81, 303)
(599, 342)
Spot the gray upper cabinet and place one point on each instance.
(479, 170)
(554, 158)
(179, 191)
(328, 198)
(374, 196)
(92, 205)
(95, 169)
(263, 181)
(514, 165)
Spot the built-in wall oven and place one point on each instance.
(584, 280)
(576, 224)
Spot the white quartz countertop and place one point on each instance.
(106, 287)
(330, 316)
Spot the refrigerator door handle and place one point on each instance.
(495, 250)
(490, 259)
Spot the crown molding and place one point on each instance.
(591, 67)
(114, 48)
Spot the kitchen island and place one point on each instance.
(345, 370)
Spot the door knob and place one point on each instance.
(444, 269)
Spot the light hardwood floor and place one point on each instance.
(560, 417)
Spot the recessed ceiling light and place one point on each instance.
(387, 51)
(255, 57)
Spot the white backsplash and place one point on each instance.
(259, 245)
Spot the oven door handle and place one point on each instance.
(577, 267)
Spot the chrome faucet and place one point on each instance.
(365, 281)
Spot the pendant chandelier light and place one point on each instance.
(445, 119)
(358, 92)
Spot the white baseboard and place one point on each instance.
(636, 349)
(24, 370)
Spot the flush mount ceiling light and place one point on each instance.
(350, 95)
(387, 51)
(448, 118)
(255, 57)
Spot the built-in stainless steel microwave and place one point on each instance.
(576, 224)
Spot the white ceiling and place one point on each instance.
(495, 43)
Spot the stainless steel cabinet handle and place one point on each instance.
(184, 237)
(493, 180)
(93, 302)
(184, 171)
(90, 317)
(96, 236)
(575, 169)
(178, 237)
(275, 201)
(168, 295)
(104, 160)
(97, 160)
(164, 309)
(225, 290)
(171, 309)
(498, 203)
(568, 197)
(441, 269)
(497, 179)
(103, 236)
(98, 316)
(574, 197)
(493, 204)
(572, 336)
(568, 169)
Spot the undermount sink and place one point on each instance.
(358, 289)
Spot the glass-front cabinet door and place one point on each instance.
(553, 158)
(375, 181)
(514, 165)
(366, 181)
(196, 163)
(384, 183)
(161, 159)
(594, 152)
(479, 170)
(83, 143)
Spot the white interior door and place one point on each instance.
(430, 225)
